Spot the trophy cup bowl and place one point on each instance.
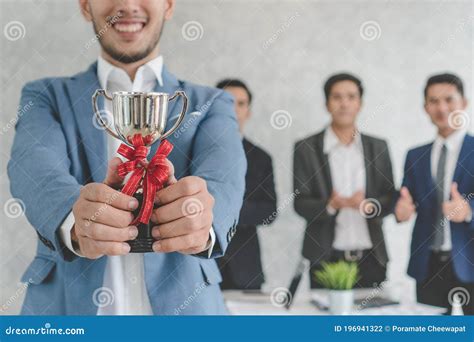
(143, 113)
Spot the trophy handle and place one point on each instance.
(181, 115)
(97, 93)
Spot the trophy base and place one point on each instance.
(141, 245)
(144, 241)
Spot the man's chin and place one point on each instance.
(127, 56)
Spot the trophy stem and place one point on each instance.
(143, 243)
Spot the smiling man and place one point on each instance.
(438, 187)
(59, 168)
(346, 188)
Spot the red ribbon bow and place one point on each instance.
(151, 175)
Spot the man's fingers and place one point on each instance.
(102, 232)
(112, 178)
(182, 226)
(182, 207)
(446, 208)
(111, 248)
(171, 177)
(94, 249)
(103, 193)
(105, 214)
(405, 193)
(186, 186)
(454, 191)
(195, 240)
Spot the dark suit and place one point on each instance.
(312, 178)
(435, 277)
(241, 266)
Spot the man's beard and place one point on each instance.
(123, 57)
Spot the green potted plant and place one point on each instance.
(339, 278)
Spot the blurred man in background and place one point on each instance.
(346, 187)
(241, 266)
(438, 185)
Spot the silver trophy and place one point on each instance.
(143, 113)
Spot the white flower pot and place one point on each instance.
(341, 301)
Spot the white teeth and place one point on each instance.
(128, 27)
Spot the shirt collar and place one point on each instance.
(331, 140)
(107, 72)
(452, 141)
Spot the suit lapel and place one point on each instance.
(326, 184)
(424, 165)
(368, 154)
(80, 90)
(170, 85)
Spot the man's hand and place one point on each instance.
(184, 216)
(103, 216)
(337, 202)
(356, 199)
(405, 207)
(457, 209)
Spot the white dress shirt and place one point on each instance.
(453, 145)
(347, 166)
(124, 274)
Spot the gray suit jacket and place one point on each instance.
(312, 178)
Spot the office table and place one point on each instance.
(245, 303)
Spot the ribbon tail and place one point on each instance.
(149, 190)
(132, 184)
